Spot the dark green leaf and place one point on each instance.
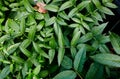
(95, 71)
(67, 62)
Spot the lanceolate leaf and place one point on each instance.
(75, 39)
(52, 8)
(115, 41)
(68, 74)
(61, 52)
(12, 48)
(51, 55)
(50, 21)
(32, 32)
(99, 29)
(60, 38)
(80, 59)
(107, 59)
(5, 72)
(106, 10)
(17, 59)
(82, 5)
(65, 5)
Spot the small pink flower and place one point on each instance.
(40, 7)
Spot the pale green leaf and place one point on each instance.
(68, 74)
(52, 7)
(107, 59)
(65, 5)
(115, 41)
(80, 59)
(61, 52)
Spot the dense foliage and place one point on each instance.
(65, 42)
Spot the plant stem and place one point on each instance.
(78, 74)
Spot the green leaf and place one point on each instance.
(75, 38)
(73, 51)
(52, 7)
(107, 59)
(115, 41)
(106, 10)
(27, 6)
(40, 25)
(97, 16)
(61, 52)
(25, 51)
(63, 15)
(51, 55)
(76, 20)
(32, 32)
(50, 21)
(85, 25)
(80, 59)
(73, 12)
(96, 71)
(60, 38)
(61, 21)
(39, 16)
(104, 49)
(39, 50)
(65, 5)
(25, 43)
(17, 59)
(68, 74)
(66, 63)
(37, 70)
(5, 71)
(99, 29)
(82, 5)
(97, 3)
(12, 48)
(85, 38)
(22, 25)
(4, 38)
(110, 5)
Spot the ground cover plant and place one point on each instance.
(57, 39)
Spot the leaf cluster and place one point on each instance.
(67, 42)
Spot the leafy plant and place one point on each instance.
(64, 42)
